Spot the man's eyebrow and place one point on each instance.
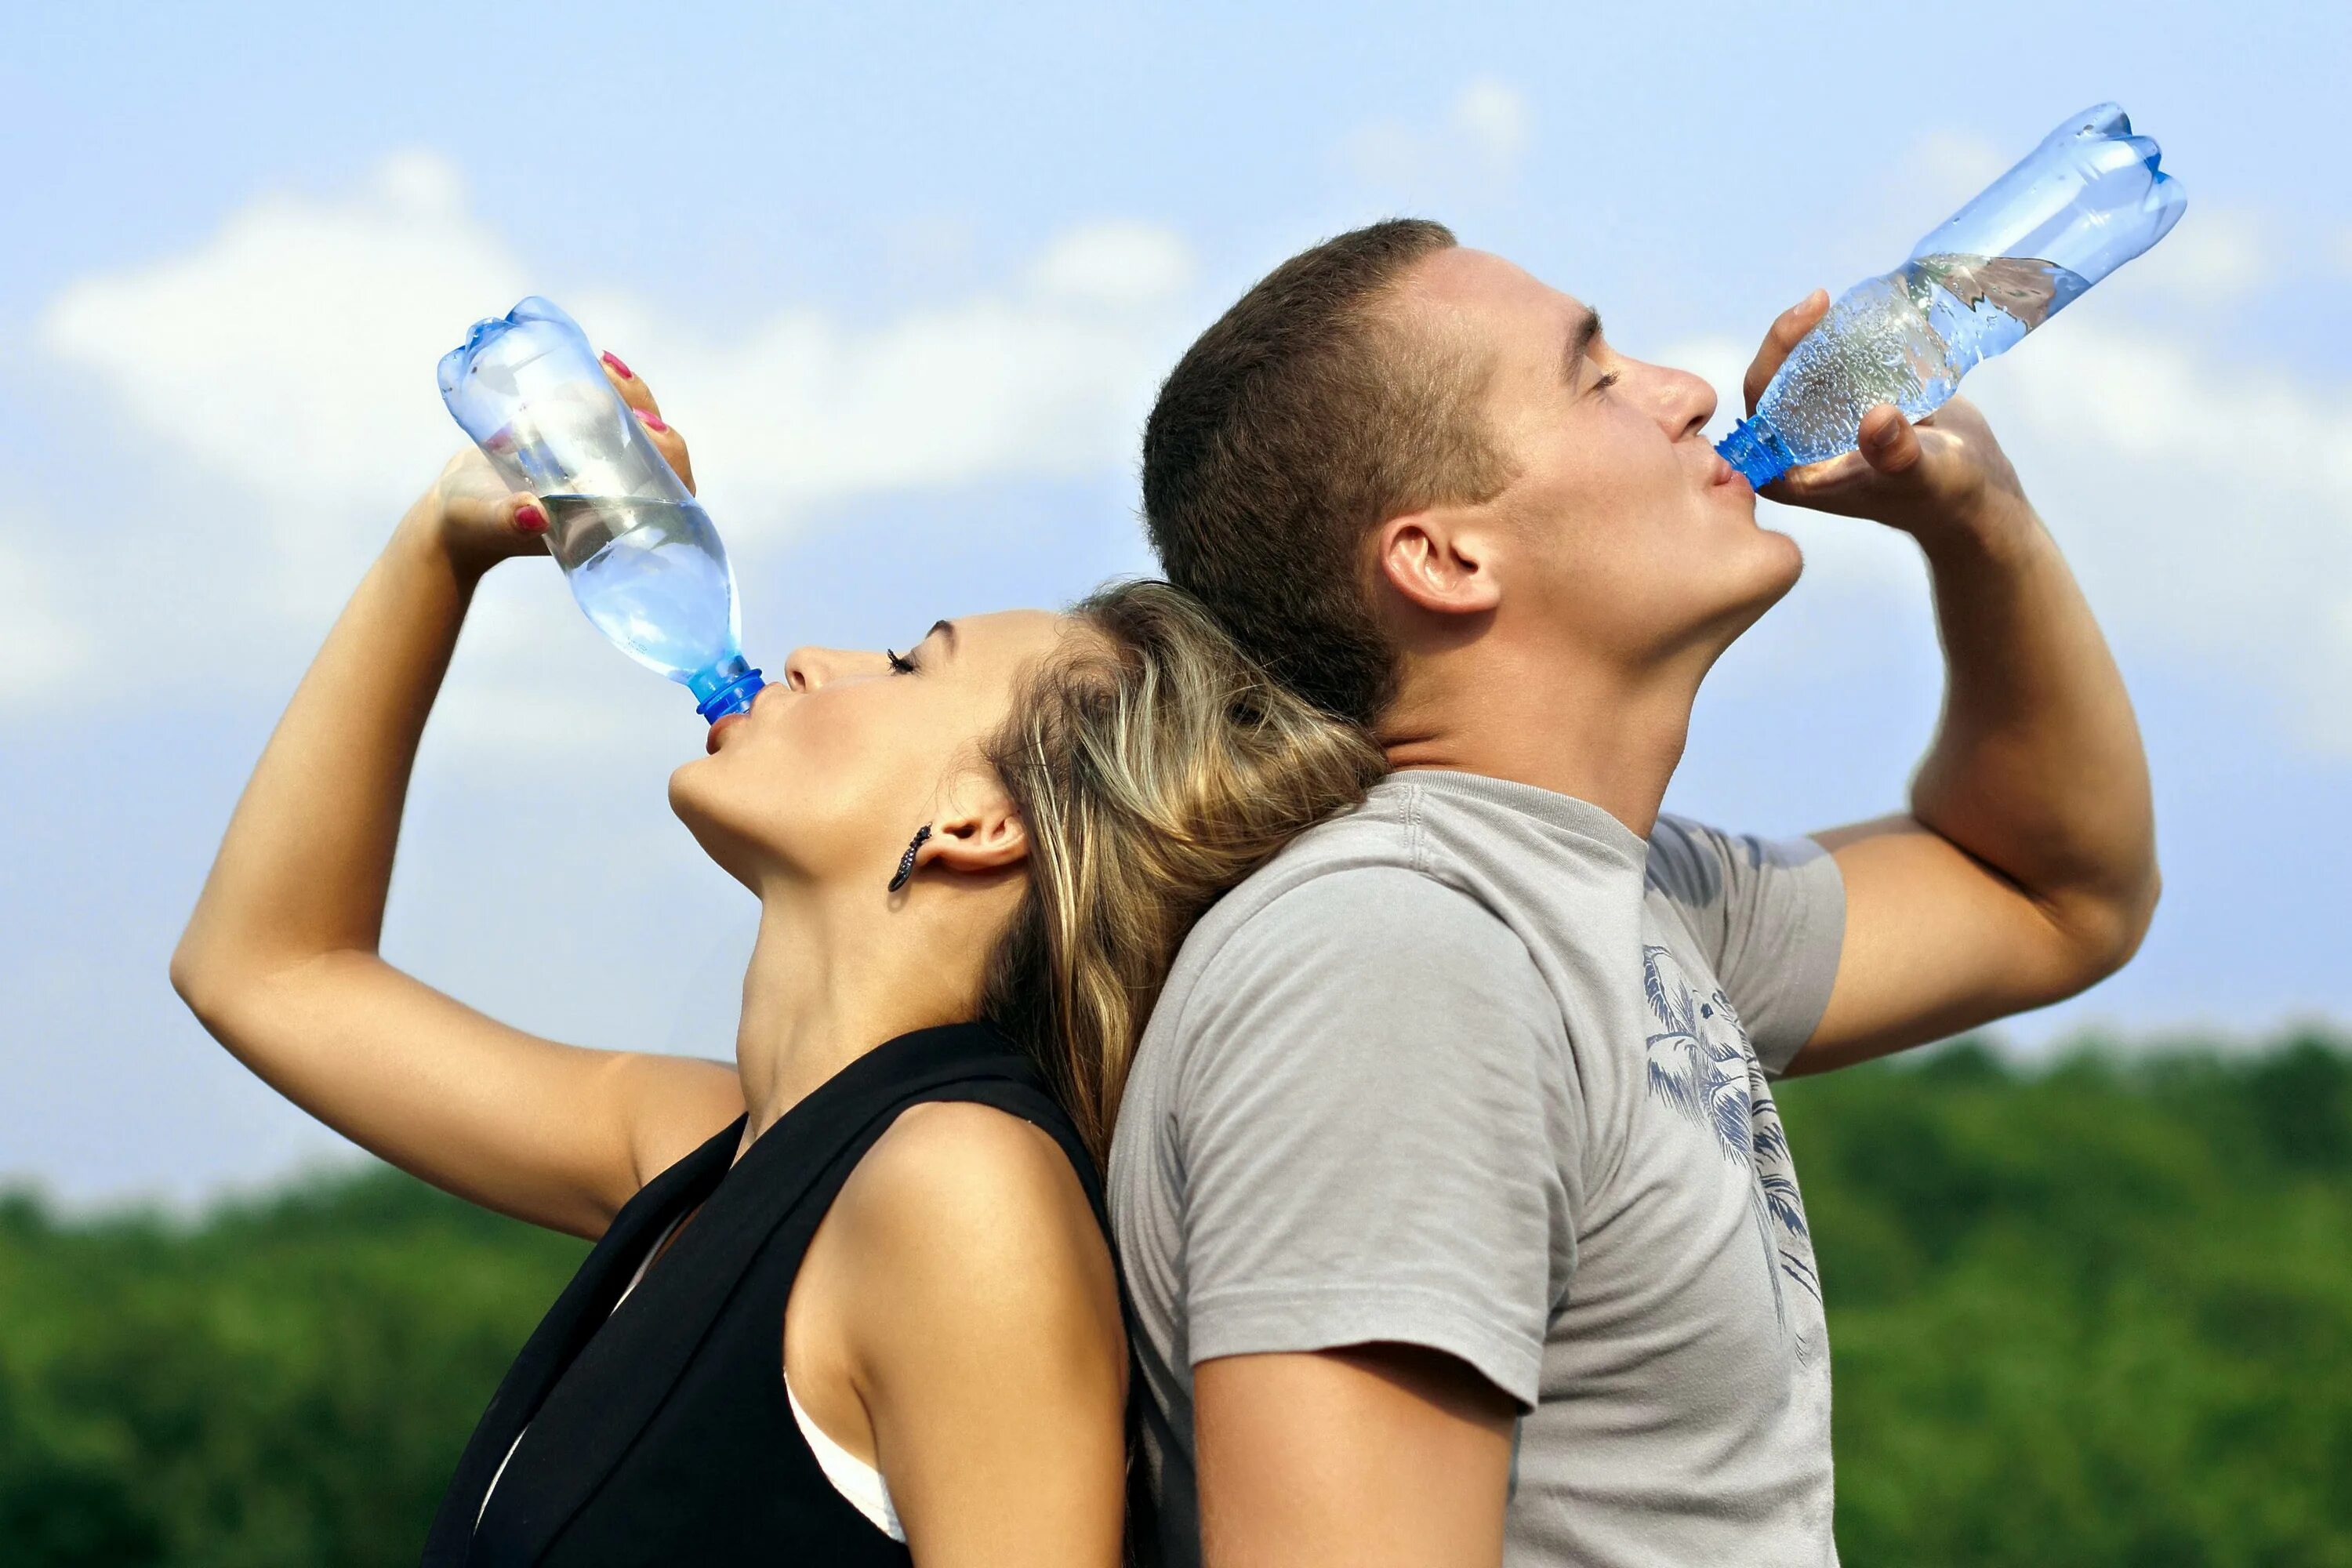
(1579, 341)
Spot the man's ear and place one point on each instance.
(978, 832)
(1440, 559)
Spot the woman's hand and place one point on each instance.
(470, 515)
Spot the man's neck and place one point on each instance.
(1594, 734)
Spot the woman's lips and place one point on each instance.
(711, 742)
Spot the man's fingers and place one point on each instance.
(1888, 443)
(1787, 331)
(1810, 483)
(1886, 458)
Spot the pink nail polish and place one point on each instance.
(618, 368)
(530, 519)
(653, 421)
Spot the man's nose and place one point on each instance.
(1684, 401)
(1697, 400)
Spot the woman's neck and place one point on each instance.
(822, 991)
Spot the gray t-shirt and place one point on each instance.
(1474, 1067)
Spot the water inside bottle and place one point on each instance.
(1906, 338)
(652, 575)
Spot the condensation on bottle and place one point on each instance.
(2088, 199)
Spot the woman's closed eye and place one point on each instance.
(899, 666)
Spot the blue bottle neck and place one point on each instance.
(1757, 450)
(725, 688)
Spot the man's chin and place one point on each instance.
(1779, 562)
(1792, 553)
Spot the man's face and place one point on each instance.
(1620, 532)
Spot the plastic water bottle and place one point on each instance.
(2087, 200)
(639, 553)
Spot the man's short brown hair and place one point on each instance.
(1295, 427)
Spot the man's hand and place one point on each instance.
(1943, 472)
(2025, 868)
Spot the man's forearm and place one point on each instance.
(2037, 768)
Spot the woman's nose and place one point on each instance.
(806, 669)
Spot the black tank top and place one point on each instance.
(663, 1434)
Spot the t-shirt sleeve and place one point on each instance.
(1769, 913)
(1376, 1139)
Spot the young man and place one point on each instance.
(1448, 1182)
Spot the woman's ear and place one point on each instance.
(980, 832)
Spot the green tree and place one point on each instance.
(2099, 1313)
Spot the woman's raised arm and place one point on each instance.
(280, 959)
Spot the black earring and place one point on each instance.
(907, 861)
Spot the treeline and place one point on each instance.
(2097, 1315)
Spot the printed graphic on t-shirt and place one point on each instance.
(1702, 1067)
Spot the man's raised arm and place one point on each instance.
(2025, 868)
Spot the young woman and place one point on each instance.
(851, 1300)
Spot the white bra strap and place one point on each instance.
(852, 1476)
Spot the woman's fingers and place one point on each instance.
(671, 444)
(628, 384)
(640, 399)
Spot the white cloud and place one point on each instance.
(1050, 378)
(294, 352)
(2211, 256)
(287, 361)
(1945, 168)
(1494, 118)
(42, 642)
(1115, 264)
(2201, 502)
(1481, 136)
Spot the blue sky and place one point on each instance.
(905, 276)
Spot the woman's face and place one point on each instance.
(833, 767)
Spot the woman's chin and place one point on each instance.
(685, 797)
(722, 840)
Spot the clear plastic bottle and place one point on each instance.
(639, 553)
(2087, 200)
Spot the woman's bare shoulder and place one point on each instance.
(980, 1326)
(964, 1210)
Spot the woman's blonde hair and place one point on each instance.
(1154, 766)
